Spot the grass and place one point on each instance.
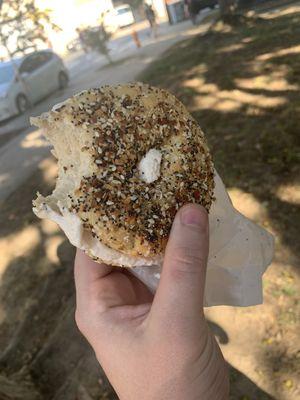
(242, 85)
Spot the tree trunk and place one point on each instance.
(225, 7)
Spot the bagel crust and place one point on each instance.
(100, 137)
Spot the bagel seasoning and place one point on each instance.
(129, 156)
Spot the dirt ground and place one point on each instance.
(242, 85)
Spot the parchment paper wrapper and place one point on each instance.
(239, 253)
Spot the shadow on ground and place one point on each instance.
(43, 356)
(43, 348)
(242, 85)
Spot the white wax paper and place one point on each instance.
(239, 253)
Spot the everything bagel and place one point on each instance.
(129, 156)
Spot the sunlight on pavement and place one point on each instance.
(49, 168)
(200, 82)
(210, 96)
(289, 193)
(24, 242)
(49, 227)
(274, 81)
(18, 244)
(280, 12)
(34, 139)
(254, 99)
(223, 28)
(231, 48)
(51, 246)
(247, 204)
(279, 53)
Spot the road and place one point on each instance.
(20, 156)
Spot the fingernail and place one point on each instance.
(192, 215)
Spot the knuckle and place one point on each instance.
(186, 260)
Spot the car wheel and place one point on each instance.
(22, 103)
(63, 80)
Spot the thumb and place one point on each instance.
(181, 287)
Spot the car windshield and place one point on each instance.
(123, 10)
(6, 73)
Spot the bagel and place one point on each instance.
(129, 156)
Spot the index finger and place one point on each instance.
(87, 272)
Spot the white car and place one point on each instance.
(124, 15)
(27, 80)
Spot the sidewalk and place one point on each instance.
(20, 157)
(81, 66)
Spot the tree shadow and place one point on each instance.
(44, 347)
(242, 85)
(40, 343)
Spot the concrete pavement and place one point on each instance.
(81, 64)
(20, 157)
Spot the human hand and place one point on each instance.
(155, 347)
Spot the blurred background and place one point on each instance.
(236, 66)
